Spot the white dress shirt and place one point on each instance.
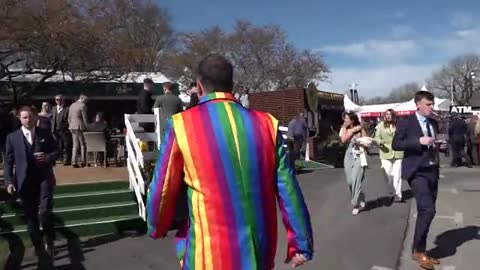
(422, 120)
(28, 133)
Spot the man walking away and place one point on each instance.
(60, 131)
(298, 130)
(168, 103)
(77, 123)
(32, 152)
(457, 132)
(415, 135)
(235, 168)
(145, 103)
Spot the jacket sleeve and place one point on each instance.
(52, 120)
(295, 215)
(69, 118)
(402, 141)
(165, 186)
(378, 134)
(84, 116)
(9, 162)
(52, 151)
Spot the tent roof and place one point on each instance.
(440, 105)
(378, 107)
(132, 77)
(349, 105)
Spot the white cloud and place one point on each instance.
(380, 50)
(376, 81)
(396, 58)
(459, 42)
(402, 31)
(461, 19)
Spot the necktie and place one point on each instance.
(429, 128)
(29, 137)
(431, 149)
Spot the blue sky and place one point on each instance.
(376, 44)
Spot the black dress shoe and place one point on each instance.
(75, 165)
(83, 165)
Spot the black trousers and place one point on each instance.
(63, 139)
(424, 186)
(37, 202)
(458, 153)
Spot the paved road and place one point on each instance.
(455, 231)
(371, 240)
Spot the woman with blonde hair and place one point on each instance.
(45, 116)
(391, 160)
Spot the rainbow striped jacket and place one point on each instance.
(235, 168)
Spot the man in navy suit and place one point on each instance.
(29, 158)
(415, 135)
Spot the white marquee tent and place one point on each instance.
(409, 106)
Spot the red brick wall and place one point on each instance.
(283, 104)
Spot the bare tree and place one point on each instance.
(262, 57)
(88, 40)
(457, 77)
(403, 93)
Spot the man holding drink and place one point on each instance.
(32, 152)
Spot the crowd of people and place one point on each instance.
(217, 146)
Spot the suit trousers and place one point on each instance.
(393, 170)
(37, 203)
(79, 141)
(424, 186)
(63, 138)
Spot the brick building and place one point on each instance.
(322, 109)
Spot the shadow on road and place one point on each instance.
(448, 242)
(386, 201)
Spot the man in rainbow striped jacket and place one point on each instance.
(234, 165)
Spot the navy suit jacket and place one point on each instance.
(19, 155)
(407, 138)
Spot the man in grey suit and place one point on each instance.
(77, 123)
(168, 103)
(60, 131)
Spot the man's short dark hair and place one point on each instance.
(148, 81)
(167, 85)
(30, 109)
(216, 73)
(423, 95)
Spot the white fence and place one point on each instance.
(137, 159)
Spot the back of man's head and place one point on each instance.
(215, 74)
(167, 87)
